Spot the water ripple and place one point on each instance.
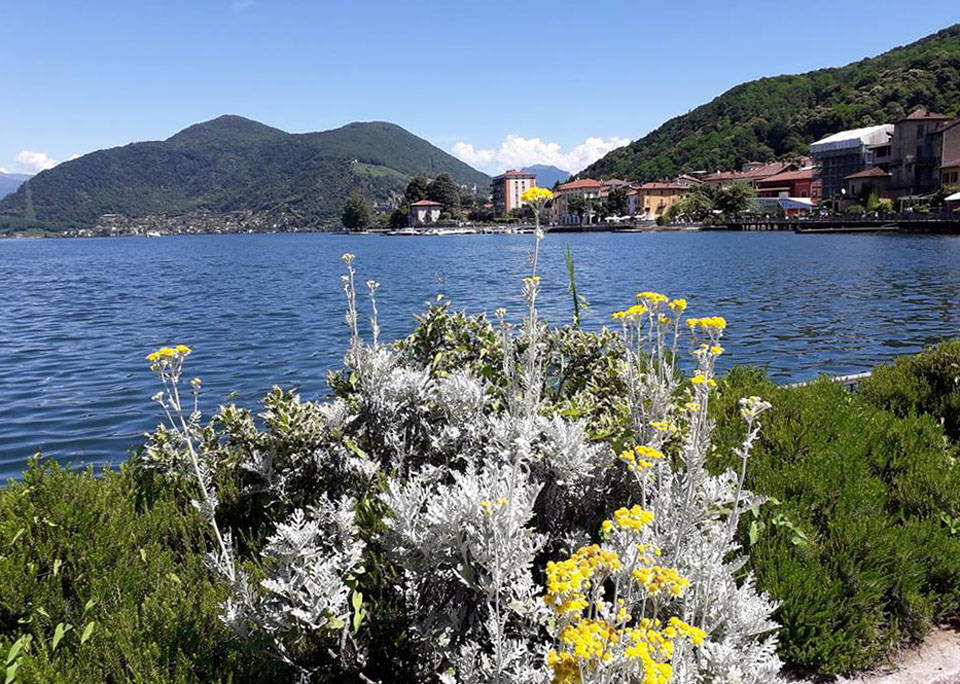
(78, 316)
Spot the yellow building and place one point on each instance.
(653, 199)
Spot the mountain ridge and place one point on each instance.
(777, 117)
(231, 163)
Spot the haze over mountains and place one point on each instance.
(779, 117)
(9, 182)
(234, 164)
(547, 175)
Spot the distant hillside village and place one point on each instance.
(890, 167)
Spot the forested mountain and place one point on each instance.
(231, 164)
(9, 182)
(780, 116)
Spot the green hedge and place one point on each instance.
(928, 382)
(78, 549)
(860, 543)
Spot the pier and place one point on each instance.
(928, 223)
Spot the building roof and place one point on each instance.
(755, 173)
(581, 184)
(950, 163)
(872, 172)
(513, 173)
(869, 135)
(689, 178)
(665, 185)
(426, 203)
(789, 176)
(921, 114)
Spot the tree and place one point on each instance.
(356, 212)
(696, 206)
(617, 201)
(733, 199)
(416, 190)
(446, 191)
(577, 206)
(398, 219)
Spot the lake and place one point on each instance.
(78, 316)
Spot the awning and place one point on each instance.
(955, 197)
(796, 203)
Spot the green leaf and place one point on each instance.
(87, 631)
(11, 673)
(61, 629)
(56, 567)
(89, 605)
(16, 648)
(17, 536)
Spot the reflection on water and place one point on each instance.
(78, 316)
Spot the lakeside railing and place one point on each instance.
(850, 382)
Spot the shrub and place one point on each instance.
(117, 569)
(857, 542)
(928, 382)
(422, 502)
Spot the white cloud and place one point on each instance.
(516, 152)
(34, 162)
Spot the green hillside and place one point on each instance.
(230, 164)
(780, 116)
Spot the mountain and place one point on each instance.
(779, 117)
(234, 164)
(547, 175)
(9, 182)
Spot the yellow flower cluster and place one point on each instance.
(531, 280)
(708, 323)
(652, 299)
(590, 639)
(628, 519)
(567, 578)
(663, 426)
(633, 311)
(700, 379)
(490, 506)
(656, 579)
(591, 643)
(566, 669)
(536, 195)
(168, 353)
(678, 305)
(640, 457)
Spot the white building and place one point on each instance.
(424, 212)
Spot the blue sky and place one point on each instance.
(502, 83)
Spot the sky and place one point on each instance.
(499, 84)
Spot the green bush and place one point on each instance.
(928, 382)
(120, 571)
(860, 543)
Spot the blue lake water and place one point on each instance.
(78, 316)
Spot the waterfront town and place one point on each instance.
(908, 167)
(893, 166)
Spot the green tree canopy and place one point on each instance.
(356, 212)
(616, 202)
(446, 191)
(734, 198)
(416, 189)
(398, 219)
